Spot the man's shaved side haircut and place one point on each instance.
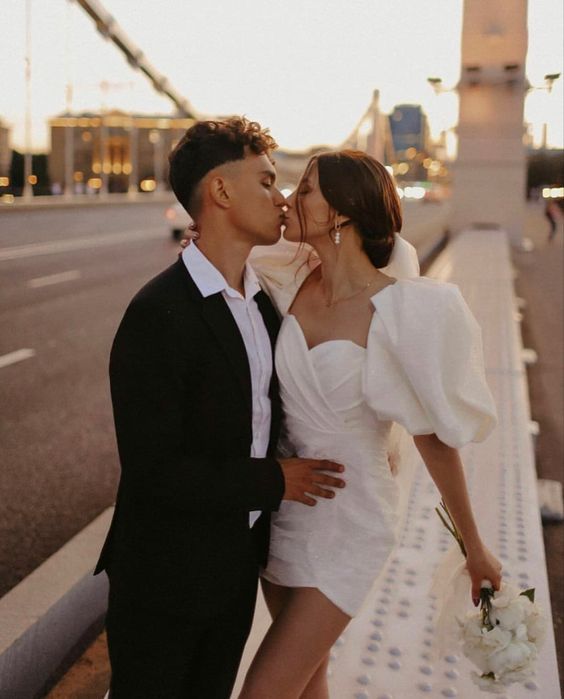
(205, 146)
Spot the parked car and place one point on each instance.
(178, 220)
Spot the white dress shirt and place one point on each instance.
(245, 310)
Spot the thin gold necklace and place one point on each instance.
(347, 298)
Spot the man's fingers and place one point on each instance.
(308, 501)
(322, 492)
(328, 466)
(329, 480)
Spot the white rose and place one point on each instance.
(472, 641)
(496, 639)
(510, 615)
(536, 627)
(516, 656)
(478, 655)
(505, 595)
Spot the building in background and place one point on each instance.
(418, 159)
(409, 127)
(112, 152)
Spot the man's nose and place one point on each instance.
(282, 201)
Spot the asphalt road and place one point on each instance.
(58, 463)
(66, 276)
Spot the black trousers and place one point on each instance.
(165, 656)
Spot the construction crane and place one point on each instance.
(110, 29)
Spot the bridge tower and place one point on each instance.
(372, 134)
(490, 171)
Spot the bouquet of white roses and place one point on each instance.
(503, 638)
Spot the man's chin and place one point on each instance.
(271, 240)
(288, 236)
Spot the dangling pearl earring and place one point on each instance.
(337, 236)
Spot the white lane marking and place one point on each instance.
(33, 249)
(17, 356)
(54, 279)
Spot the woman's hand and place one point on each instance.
(482, 565)
(189, 235)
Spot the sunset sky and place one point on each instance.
(306, 68)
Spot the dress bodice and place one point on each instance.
(338, 367)
(322, 386)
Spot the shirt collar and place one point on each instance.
(210, 280)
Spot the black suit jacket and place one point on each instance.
(181, 393)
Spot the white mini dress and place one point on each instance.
(422, 368)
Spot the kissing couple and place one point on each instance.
(254, 395)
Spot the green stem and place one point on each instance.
(451, 527)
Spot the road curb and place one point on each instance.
(46, 616)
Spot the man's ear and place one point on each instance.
(219, 192)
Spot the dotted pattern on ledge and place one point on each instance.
(387, 652)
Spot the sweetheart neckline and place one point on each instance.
(328, 342)
(325, 342)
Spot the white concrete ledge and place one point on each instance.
(46, 616)
(59, 201)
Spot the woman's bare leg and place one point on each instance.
(276, 597)
(305, 626)
(318, 687)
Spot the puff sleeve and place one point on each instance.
(424, 365)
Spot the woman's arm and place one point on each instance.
(446, 470)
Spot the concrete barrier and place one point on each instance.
(46, 616)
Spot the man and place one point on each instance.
(197, 417)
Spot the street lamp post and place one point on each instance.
(157, 141)
(69, 130)
(133, 159)
(27, 187)
(549, 80)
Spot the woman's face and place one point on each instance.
(317, 218)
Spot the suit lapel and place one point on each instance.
(269, 316)
(219, 318)
(215, 312)
(272, 322)
(222, 324)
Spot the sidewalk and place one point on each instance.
(540, 283)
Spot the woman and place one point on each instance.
(357, 351)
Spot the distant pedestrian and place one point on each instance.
(554, 215)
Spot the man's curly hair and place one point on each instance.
(208, 144)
